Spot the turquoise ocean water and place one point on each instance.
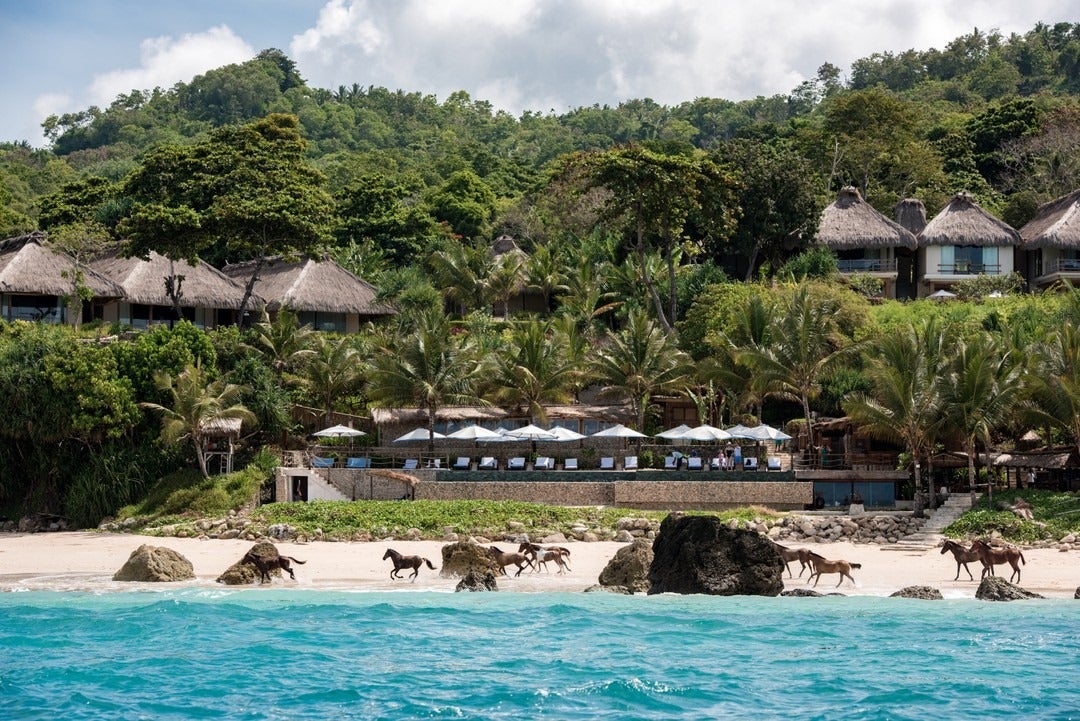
(210, 654)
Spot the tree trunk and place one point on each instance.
(249, 290)
(919, 503)
(200, 454)
(972, 480)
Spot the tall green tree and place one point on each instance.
(334, 370)
(532, 369)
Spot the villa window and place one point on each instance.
(969, 260)
(329, 322)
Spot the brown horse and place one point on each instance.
(991, 557)
(505, 558)
(823, 565)
(400, 562)
(266, 564)
(963, 556)
(542, 554)
(802, 555)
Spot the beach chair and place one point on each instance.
(517, 463)
(488, 463)
(363, 462)
(750, 464)
(630, 463)
(570, 464)
(462, 463)
(433, 463)
(411, 464)
(607, 463)
(543, 463)
(319, 462)
(772, 464)
(714, 464)
(671, 463)
(693, 463)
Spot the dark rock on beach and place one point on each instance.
(597, 588)
(155, 564)
(477, 581)
(806, 593)
(628, 570)
(458, 559)
(925, 593)
(700, 554)
(996, 588)
(241, 574)
(1076, 594)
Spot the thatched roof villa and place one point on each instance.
(911, 214)
(865, 241)
(207, 297)
(523, 298)
(962, 241)
(35, 279)
(322, 293)
(1052, 242)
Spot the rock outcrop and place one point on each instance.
(629, 567)
(155, 564)
(700, 554)
(996, 588)
(926, 593)
(458, 559)
(240, 573)
(477, 581)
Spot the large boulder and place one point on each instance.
(996, 588)
(925, 593)
(700, 554)
(243, 573)
(474, 581)
(629, 567)
(155, 564)
(458, 559)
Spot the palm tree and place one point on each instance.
(533, 369)
(586, 297)
(196, 406)
(1055, 384)
(458, 271)
(504, 276)
(284, 343)
(428, 368)
(334, 369)
(906, 403)
(546, 272)
(640, 361)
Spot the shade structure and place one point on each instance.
(417, 434)
(618, 431)
(339, 431)
(766, 433)
(530, 433)
(705, 432)
(674, 433)
(941, 295)
(740, 431)
(474, 433)
(565, 434)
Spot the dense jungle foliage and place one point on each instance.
(636, 222)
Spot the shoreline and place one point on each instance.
(86, 561)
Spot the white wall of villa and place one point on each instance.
(942, 265)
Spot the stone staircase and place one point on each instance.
(929, 536)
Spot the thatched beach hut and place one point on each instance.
(1052, 239)
(37, 280)
(204, 295)
(865, 241)
(911, 214)
(962, 241)
(509, 261)
(320, 292)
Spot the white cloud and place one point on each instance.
(165, 61)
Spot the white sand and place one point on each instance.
(87, 561)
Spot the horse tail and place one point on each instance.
(295, 560)
(1021, 553)
(429, 564)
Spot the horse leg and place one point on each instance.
(1016, 571)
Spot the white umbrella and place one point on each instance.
(740, 431)
(473, 433)
(339, 431)
(417, 434)
(705, 432)
(767, 433)
(565, 434)
(674, 433)
(618, 431)
(531, 433)
(942, 295)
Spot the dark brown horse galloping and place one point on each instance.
(991, 557)
(963, 556)
(400, 562)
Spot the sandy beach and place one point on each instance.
(86, 561)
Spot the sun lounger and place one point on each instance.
(318, 462)
(630, 463)
(693, 464)
(714, 464)
(773, 464)
(411, 464)
(462, 463)
(433, 463)
(607, 463)
(671, 462)
(570, 464)
(358, 463)
(750, 464)
(543, 463)
(488, 463)
(516, 463)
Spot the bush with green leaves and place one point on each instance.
(1056, 514)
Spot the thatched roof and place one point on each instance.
(478, 414)
(310, 285)
(28, 265)
(963, 222)
(223, 427)
(850, 222)
(143, 281)
(911, 213)
(505, 244)
(1055, 225)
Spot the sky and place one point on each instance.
(63, 56)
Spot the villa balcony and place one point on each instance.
(965, 268)
(866, 265)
